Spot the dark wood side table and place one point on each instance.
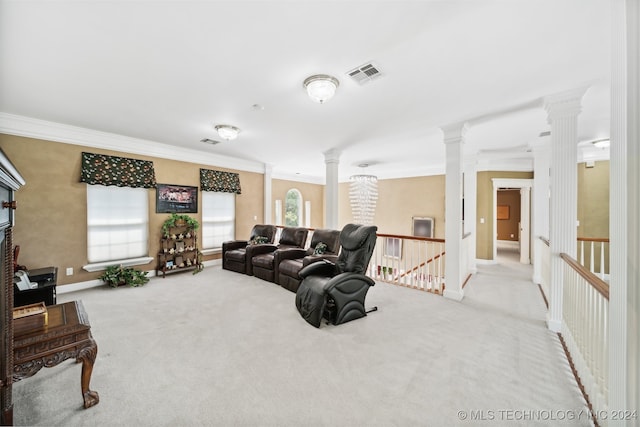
(67, 335)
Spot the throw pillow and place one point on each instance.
(258, 240)
(320, 248)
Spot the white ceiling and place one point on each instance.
(168, 71)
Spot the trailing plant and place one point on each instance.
(116, 275)
(175, 219)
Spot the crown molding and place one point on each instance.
(51, 131)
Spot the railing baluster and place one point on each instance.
(585, 323)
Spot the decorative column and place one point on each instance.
(469, 209)
(624, 211)
(332, 160)
(454, 140)
(562, 114)
(268, 172)
(540, 201)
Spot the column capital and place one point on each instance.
(268, 168)
(455, 132)
(332, 156)
(564, 104)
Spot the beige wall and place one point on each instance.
(52, 207)
(509, 227)
(399, 200)
(593, 200)
(484, 242)
(310, 192)
(51, 214)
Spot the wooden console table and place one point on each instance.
(67, 335)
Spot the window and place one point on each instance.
(218, 218)
(117, 223)
(293, 208)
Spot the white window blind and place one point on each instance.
(117, 222)
(218, 218)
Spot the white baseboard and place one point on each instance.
(79, 286)
(486, 261)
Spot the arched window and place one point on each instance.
(293, 208)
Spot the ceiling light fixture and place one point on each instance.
(321, 87)
(601, 143)
(227, 132)
(363, 196)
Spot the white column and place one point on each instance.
(268, 171)
(562, 113)
(454, 140)
(525, 228)
(624, 212)
(540, 202)
(470, 208)
(332, 160)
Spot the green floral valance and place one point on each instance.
(223, 182)
(119, 171)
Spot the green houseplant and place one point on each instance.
(117, 275)
(179, 220)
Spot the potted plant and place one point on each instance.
(117, 275)
(179, 220)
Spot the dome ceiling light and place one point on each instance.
(227, 132)
(321, 87)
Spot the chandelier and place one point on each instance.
(321, 87)
(363, 195)
(227, 132)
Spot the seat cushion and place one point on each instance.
(236, 255)
(263, 261)
(290, 267)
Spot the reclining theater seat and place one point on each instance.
(263, 256)
(290, 262)
(234, 252)
(337, 291)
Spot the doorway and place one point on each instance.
(506, 213)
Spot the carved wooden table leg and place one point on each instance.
(87, 356)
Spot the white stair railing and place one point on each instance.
(585, 309)
(415, 262)
(596, 253)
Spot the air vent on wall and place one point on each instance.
(365, 73)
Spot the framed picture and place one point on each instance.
(423, 226)
(176, 198)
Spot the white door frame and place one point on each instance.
(525, 225)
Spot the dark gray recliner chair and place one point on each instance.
(337, 291)
(291, 261)
(263, 257)
(236, 254)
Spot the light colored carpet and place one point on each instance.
(220, 348)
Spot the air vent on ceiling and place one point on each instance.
(365, 73)
(210, 141)
(545, 133)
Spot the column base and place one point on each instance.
(554, 325)
(456, 295)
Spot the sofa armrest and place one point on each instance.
(310, 259)
(320, 268)
(233, 244)
(263, 248)
(293, 253)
